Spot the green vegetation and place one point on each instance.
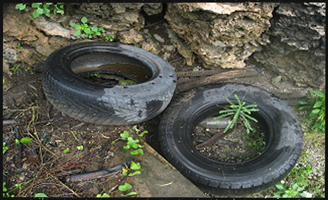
(126, 82)
(316, 106)
(125, 187)
(131, 143)
(105, 195)
(66, 150)
(305, 180)
(5, 191)
(79, 147)
(43, 8)
(5, 148)
(16, 69)
(239, 112)
(24, 140)
(40, 195)
(86, 29)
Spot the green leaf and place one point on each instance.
(135, 166)
(130, 193)
(72, 24)
(135, 173)
(125, 171)
(36, 5)
(77, 33)
(101, 29)
(25, 140)
(302, 108)
(136, 152)
(318, 104)
(126, 147)
(280, 186)
(125, 135)
(303, 102)
(142, 134)
(124, 187)
(40, 195)
(319, 94)
(66, 150)
(80, 147)
(295, 186)
(79, 27)
(87, 31)
(315, 111)
(94, 28)
(35, 14)
(20, 6)
(84, 20)
(39, 11)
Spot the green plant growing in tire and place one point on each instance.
(239, 111)
(86, 29)
(316, 106)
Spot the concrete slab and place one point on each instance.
(160, 179)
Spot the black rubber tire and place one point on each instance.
(98, 104)
(284, 138)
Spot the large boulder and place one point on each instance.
(221, 34)
(297, 50)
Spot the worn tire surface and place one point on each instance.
(284, 140)
(98, 104)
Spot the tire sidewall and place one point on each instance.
(284, 139)
(130, 104)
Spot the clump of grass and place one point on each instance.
(315, 105)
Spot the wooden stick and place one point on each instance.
(196, 82)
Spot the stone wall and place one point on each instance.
(297, 49)
(286, 38)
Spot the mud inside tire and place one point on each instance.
(283, 135)
(107, 105)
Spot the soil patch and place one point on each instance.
(235, 146)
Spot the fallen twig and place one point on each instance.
(64, 185)
(213, 139)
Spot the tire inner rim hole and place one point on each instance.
(114, 74)
(234, 146)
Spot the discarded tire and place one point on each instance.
(108, 105)
(284, 140)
